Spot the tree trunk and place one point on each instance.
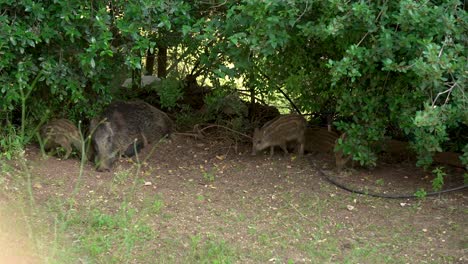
(252, 102)
(136, 78)
(162, 62)
(149, 63)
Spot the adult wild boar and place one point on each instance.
(124, 125)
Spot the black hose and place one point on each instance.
(380, 195)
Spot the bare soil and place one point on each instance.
(276, 209)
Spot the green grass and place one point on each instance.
(85, 230)
(156, 205)
(209, 176)
(210, 250)
(117, 224)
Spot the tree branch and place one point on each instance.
(449, 91)
(282, 92)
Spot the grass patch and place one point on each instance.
(115, 218)
(210, 250)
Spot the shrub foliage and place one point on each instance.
(382, 68)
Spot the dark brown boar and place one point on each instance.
(397, 150)
(449, 158)
(124, 125)
(61, 133)
(259, 114)
(278, 132)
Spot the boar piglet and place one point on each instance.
(60, 133)
(278, 132)
(319, 140)
(125, 127)
(340, 158)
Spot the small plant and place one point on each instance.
(157, 204)
(208, 176)
(210, 251)
(421, 193)
(438, 181)
(10, 143)
(169, 91)
(100, 221)
(379, 182)
(195, 242)
(186, 118)
(121, 176)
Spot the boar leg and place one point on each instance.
(301, 148)
(64, 143)
(254, 152)
(69, 150)
(145, 141)
(78, 144)
(130, 151)
(284, 147)
(301, 143)
(139, 143)
(341, 159)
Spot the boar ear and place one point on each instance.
(96, 122)
(107, 125)
(108, 128)
(93, 123)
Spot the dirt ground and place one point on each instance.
(277, 209)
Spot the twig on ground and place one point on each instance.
(200, 131)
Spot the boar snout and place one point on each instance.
(103, 164)
(99, 169)
(103, 168)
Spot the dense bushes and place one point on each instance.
(383, 68)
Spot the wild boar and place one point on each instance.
(320, 139)
(449, 158)
(259, 114)
(340, 158)
(124, 125)
(278, 132)
(395, 150)
(324, 140)
(61, 133)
